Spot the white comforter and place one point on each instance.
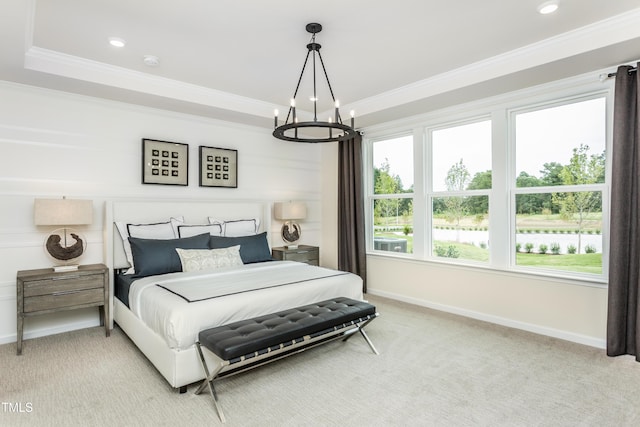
(179, 321)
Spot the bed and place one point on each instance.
(163, 310)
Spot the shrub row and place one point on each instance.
(555, 248)
(521, 230)
(548, 231)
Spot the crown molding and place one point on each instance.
(61, 64)
(608, 32)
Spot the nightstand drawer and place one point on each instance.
(63, 284)
(303, 256)
(303, 253)
(61, 299)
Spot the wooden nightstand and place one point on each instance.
(303, 253)
(45, 291)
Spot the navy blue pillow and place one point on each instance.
(153, 256)
(253, 248)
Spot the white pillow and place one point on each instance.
(159, 231)
(238, 227)
(188, 230)
(209, 259)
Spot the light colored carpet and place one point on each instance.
(435, 369)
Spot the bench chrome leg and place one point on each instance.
(208, 381)
(364, 335)
(366, 338)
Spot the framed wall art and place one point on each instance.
(165, 162)
(218, 167)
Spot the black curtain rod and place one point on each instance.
(631, 70)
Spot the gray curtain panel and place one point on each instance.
(351, 230)
(623, 323)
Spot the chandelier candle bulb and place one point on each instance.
(275, 118)
(353, 116)
(293, 110)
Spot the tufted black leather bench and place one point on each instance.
(248, 343)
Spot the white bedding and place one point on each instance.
(179, 321)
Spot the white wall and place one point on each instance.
(559, 308)
(54, 144)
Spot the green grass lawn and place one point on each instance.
(466, 251)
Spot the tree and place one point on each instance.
(529, 203)
(581, 170)
(480, 181)
(457, 179)
(551, 174)
(387, 183)
(479, 205)
(384, 181)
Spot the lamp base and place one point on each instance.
(69, 267)
(291, 233)
(65, 246)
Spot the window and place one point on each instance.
(560, 160)
(461, 165)
(518, 183)
(392, 201)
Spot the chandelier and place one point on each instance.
(313, 131)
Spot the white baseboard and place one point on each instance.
(529, 327)
(42, 332)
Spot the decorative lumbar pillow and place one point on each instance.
(157, 231)
(252, 248)
(237, 227)
(187, 230)
(153, 257)
(209, 259)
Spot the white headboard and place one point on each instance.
(194, 212)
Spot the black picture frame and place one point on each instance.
(165, 162)
(218, 167)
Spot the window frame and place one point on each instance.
(371, 196)
(432, 194)
(603, 188)
(501, 111)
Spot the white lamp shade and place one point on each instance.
(62, 212)
(289, 210)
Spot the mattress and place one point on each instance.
(235, 293)
(122, 285)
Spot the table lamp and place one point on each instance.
(65, 245)
(290, 212)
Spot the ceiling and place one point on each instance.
(239, 60)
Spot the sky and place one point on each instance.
(542, 136)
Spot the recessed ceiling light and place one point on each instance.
(117, 42)
(548, 7)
